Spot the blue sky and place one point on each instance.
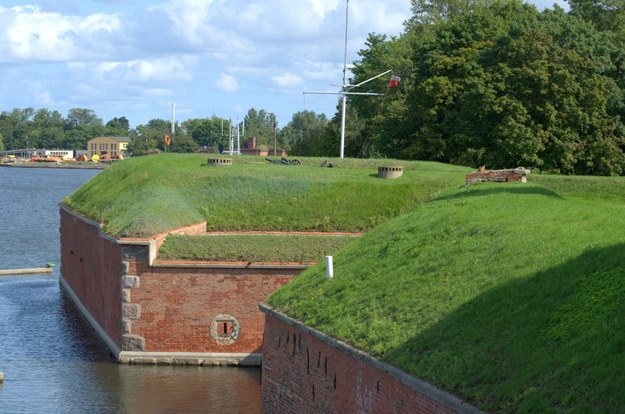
(133, 58)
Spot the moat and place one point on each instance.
(52, 360)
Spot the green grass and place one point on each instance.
(148, 195)
(507, 295)
(253, 248)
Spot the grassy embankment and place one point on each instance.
(508, 295)
(147, 195)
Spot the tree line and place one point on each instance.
(482, 82)
(43, 128)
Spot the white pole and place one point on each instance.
(238, 138)
(329, 267)
(230, 136)
(344, 86)
(173, 118)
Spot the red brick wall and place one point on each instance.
(516, 175)
(304, 371)
(165, 308)
(91, 266)
(178, 306)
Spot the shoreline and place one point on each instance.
(66, 165)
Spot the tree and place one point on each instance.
(117, 127)
(77, 117)
(605, 15)
(507, 86)
(211, 132)
(381, 118)
(306, 134)
(260, 124)
(149, 137)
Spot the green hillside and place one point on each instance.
(507, 295)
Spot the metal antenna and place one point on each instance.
(345, 88)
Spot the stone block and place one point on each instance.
(133, 343)
(131, 311)
(126, 326)
(124, 267)
(132, 282)
(135, 253)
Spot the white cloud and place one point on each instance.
(227, 83)
(136, 56)
(287, 80)
(29, 34)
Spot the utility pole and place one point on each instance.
(275, 135)
(173, 118)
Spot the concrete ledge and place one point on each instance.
(22, 272)
(226, 265)
(190, 359)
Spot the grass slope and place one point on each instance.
(148, 195)
(253, 248)
(508, 295)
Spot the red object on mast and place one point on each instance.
(394, 81)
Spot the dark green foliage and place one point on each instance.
(506, 86)
(499, 83)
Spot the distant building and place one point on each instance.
(55, 153)
(252, 149)
(111, 146)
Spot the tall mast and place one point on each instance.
(173, 118)
(345, 87)
(344, 84)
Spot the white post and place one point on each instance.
(329, 267)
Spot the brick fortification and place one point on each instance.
(305, 371)
(190, 313)
(165, 313)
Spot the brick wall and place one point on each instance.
(90, 270)
(178, 305)
(151, 312)
(511, 175)
(305, 371)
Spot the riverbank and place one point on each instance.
(66, 165)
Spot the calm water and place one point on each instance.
(51, 359)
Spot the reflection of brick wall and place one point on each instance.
(305, 371)
(146, 313)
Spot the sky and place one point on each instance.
(135, 58)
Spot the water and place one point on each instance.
(52, 361)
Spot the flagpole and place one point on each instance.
(344, 85)
(345, 88)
